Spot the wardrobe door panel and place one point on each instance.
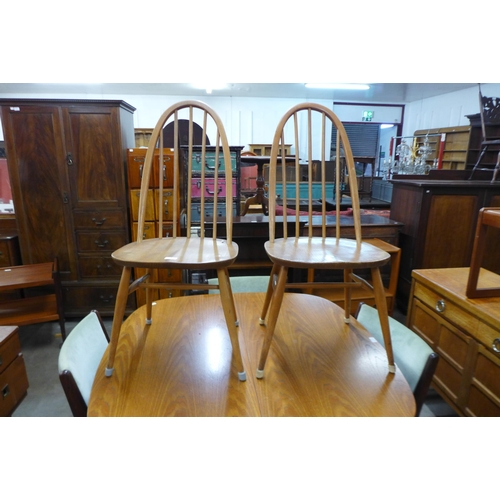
(93, 142)
(39, 185)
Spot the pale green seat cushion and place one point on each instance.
(82, 352)
(410, 351)
(244, 284)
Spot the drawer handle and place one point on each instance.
(440, 306)
(213, 192)
(496, 345)
(209, 167)
(5, 391)
(98, 222)
(109, 299)
(101, 245)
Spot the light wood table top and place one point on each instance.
(181, 364)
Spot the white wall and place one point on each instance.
(253, 120)
(447, 110)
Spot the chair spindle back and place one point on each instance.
(183, 170)
(310, 134)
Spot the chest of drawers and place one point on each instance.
(13, 377)
(466, 334)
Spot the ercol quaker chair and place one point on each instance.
(189, 250)
(320, 251)
(489, 110)
(79, 359)
(413, 356)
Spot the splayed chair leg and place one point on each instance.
(121, 302)
(277, 299)
(383, 314)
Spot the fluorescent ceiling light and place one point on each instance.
(208, 87)
(386, 125)
(343, 86)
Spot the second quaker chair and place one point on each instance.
(309, 125)
(192, 250)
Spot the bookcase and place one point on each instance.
(456, 145)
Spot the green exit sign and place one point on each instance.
(367, 116)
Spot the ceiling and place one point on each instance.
(378, 92)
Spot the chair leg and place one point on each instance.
(497, 169)
(230, 315)
(226, 271)
(381, 303)
(347, 296)
(120, 304)
(277, 299)
(149, 303)
(478, 162)
(269, 294)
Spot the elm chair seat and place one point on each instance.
(79, 359)
(413, 356)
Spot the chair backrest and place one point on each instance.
(416, 360)
(489, 108)
(311, 127)
(199, 170)
(79, 359)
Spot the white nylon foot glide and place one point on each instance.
(108, 372)
(242, 376)
(260, 374)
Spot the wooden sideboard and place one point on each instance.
(252, 231)
(466, 334)
(440, 218)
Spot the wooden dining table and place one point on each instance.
(181, 364)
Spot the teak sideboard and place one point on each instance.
(439, 220)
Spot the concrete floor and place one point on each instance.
(40, 346)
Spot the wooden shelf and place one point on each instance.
(30, 310)
(36, 309)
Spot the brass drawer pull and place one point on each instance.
(496, 345)
(440, 306)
